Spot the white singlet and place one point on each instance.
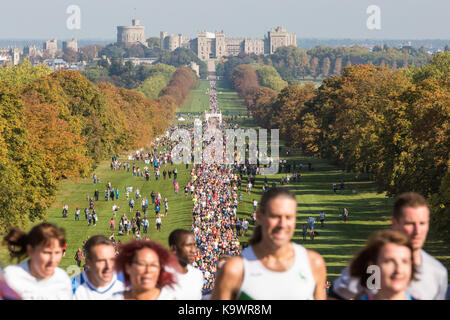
(57, 287)
(260, 283)
(189, 286)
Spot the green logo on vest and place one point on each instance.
(244, 296)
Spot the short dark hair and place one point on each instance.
(408, 199)
(175, 236)
(95, 241)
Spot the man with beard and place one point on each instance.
(99, 281)
(189, 279)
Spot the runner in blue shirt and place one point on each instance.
(99, 281)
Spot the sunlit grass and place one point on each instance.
(337, 241)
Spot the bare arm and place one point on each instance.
(229, 280)
(319, 271)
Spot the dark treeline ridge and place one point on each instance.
(294, 64)
(393, 125)
(60, 125)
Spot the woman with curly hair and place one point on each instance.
(143, 264)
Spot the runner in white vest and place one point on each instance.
(39, 277)
(189, 278)
(273, 267)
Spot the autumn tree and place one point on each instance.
(260, 106)
(59, 140)
(303, 66)
(313, 67)
(337, 66)
(182, 82)
(287, 111)
(58, 125)
(26, 184)
(70, 55)
(90, 52)
(244, 79)
(325, 67)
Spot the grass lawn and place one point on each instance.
(229, 102)
(337, 242)
(198, 100)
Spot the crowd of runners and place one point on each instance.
(207, 261)
(215, 197)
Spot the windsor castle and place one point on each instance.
(208, 45)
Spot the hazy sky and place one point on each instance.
(400, 19)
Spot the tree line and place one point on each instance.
(147, 79)
(393, 125)
(294, 64)
(127, 75)
(60, 125)
(176, 58)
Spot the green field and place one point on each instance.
(337, 242)
(198, 101)
(229, 101)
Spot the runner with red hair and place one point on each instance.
(143, 264)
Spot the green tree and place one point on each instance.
(145, 71)
(23, 74)
(135, 51)
(154, 43)
(181, 57)
(269, 77)
(103, 63)
(440, 213)
(96, 75)
(114, 51)
(152, 86)
(438, 68)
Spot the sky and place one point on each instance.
(398, 19)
